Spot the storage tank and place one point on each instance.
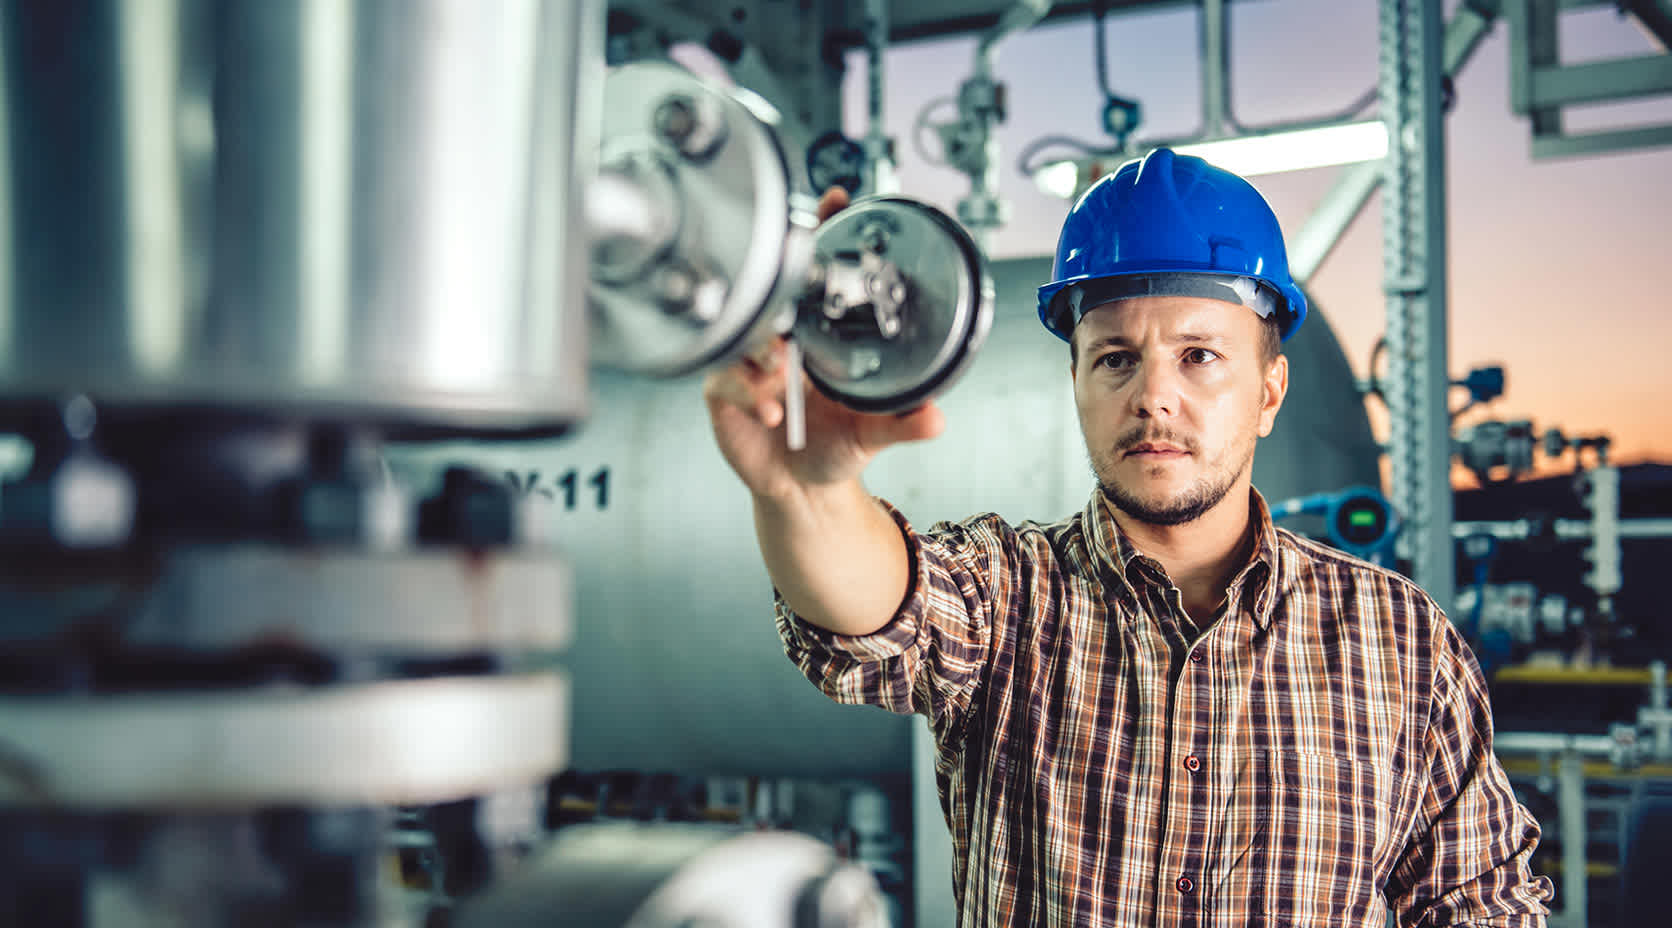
(676, 665)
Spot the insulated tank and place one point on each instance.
(676, 665)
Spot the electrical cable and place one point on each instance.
(1098, 9)
(1024, 161)
(1353, 109)
(1373, 383)
(1086, 149)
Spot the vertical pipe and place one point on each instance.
(1570, 810)
(1662, 720)
(1414, 250)
(879, 160)
(1216, 68)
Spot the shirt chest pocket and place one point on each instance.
(1326, 838)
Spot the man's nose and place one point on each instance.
(1155, 390)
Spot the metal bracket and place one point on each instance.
(1541, 86)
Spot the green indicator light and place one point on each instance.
(1361, 518)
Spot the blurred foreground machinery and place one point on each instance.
(244, 246)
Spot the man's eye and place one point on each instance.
(1200, 356)
(1115, 360)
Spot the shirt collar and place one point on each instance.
(1130, 569)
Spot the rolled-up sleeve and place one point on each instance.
(1468, 860)
(932, 655)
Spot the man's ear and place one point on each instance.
(1275, 386)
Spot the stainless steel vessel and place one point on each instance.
(360, 211)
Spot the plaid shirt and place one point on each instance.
(1321, 751)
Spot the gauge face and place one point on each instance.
(918, 304)
(834, 160)
(1361, 521)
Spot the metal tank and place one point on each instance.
(675, 664)
(363, 211)
(241, 243)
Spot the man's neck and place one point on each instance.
(1201, 556)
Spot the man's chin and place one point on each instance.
(1157, 506)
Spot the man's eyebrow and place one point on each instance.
(1109, 341)
(1183, 338)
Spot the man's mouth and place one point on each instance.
(1156, 449)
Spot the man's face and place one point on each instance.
(1173, 392)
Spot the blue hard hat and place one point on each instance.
(1166, 215)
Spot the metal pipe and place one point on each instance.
(876, 39)
(1659, 719)
(1565, 529)
(1570, 812)
(980, 108)
(1023, 15)
(879, 161)
(1332, 217)
(1216, 67)
(1538, 742)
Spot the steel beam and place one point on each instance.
(1414, 249)
(1596, 143)
(1599, 81)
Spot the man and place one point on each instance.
(1162, 710)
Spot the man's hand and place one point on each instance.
(746, 406)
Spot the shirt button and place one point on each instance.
(1196, 656)
(1185, 886)
(1192, 763)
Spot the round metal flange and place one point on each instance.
(407, 603)
(407, 742)
(710, 266)
(930, 305)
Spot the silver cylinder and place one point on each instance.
(675, 664)
(353, 210)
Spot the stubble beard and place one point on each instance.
(1184, 507)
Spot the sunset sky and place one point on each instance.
(1561, 270)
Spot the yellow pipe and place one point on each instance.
(1573, 676)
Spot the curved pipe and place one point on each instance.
(1015, 19)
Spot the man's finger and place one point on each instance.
(832, 202)
(924, 422)
(768, 355)
(759, 396)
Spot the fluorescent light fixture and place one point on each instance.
(1295, 151)
(1250, 155)
(1058, 179)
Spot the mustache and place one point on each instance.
(1141, 435)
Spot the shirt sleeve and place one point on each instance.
(932, 655)
(1467, 860)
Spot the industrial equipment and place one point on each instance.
(247, 246)
(703, 252)
(240, 241)
(1358, 520)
